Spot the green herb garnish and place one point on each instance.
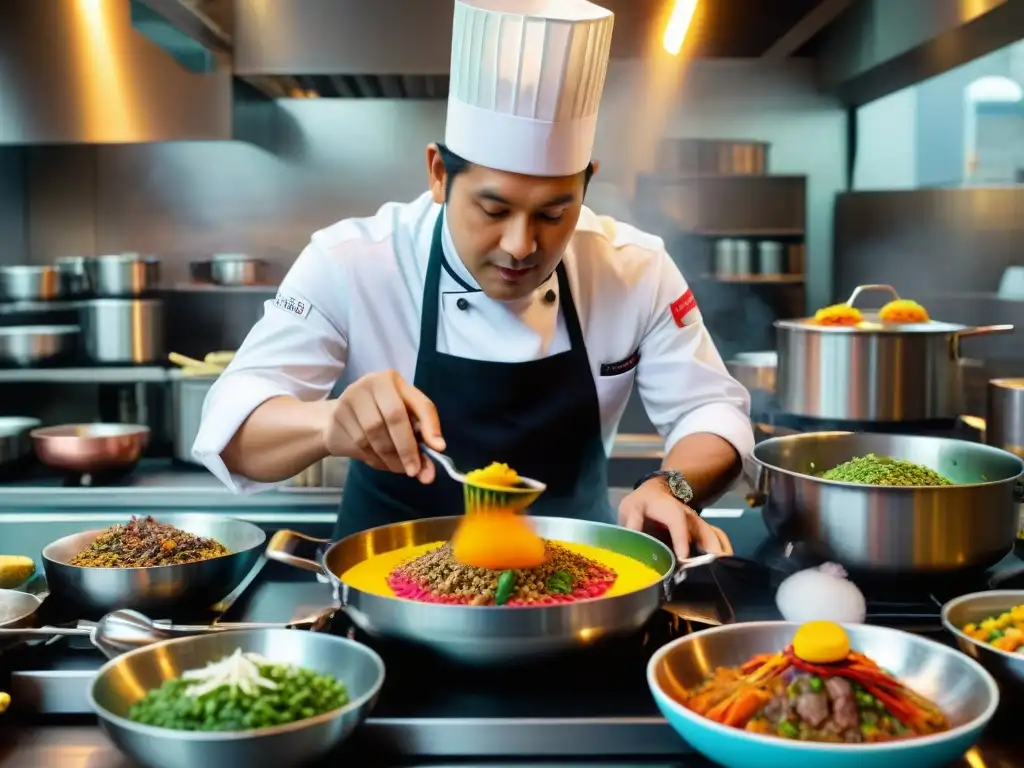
(506, 586)
(560, 583)
(884, 470)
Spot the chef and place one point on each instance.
(495, 317)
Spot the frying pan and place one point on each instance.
(90, 448)
(490, 635)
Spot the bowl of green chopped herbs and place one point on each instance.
(253, 698)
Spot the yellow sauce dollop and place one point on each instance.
(494, 474)
(821, 642)
(371, 575)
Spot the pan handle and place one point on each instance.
(282, 548)
(682, 566)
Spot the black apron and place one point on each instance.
(541, 417)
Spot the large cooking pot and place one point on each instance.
(487, 634)
(891, 529)
(872, 371)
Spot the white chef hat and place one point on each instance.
(526, 82)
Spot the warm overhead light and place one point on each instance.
(678, 24)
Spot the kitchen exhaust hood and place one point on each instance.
(395, 49)
(78, 71)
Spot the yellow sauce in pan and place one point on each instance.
(371, 575)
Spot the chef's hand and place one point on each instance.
(375, 420)
(653, 503)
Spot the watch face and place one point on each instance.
(679, 487)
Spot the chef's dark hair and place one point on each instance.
(454, 165)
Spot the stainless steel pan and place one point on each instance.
(891, 529)
(487, 634)
(159, 591)
(873, 371)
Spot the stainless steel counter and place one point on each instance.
(160, 484)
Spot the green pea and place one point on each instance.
(787, 730)
(816, 684)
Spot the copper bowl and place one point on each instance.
(90, 448)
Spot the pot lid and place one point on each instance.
(870, 324)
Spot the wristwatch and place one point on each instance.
(676, 482)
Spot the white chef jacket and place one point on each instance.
(351, 304)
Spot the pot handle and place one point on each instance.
(871, 287)
(983, 330)
(979, 330)
(758, 495)
(283, 545)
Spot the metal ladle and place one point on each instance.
(123, 631)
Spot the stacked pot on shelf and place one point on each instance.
(100, 309)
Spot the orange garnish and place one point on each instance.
(838, 314)
(497, 540)
(903, 311)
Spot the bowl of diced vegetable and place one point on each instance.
(253, 698)
(989, 627)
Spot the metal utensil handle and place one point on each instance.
(46, 632)
(446, 464)
(281, 548)
(871, 287)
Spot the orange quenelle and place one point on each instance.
(497, 540)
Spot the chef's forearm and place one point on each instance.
(708, 462)
(279, 439)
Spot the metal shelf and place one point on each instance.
(125, 375)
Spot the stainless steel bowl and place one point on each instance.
(159, 591)
(126, 679)
(1007, 668)
(29, 283)
(28, 345)
(964, 691)
(891, 529)
(121, 275)
(90, 448)
(233, 269)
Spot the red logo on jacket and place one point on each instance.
(684, 309)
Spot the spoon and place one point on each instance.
(122, 631)
(489, 497)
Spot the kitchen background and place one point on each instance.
(184, 129)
